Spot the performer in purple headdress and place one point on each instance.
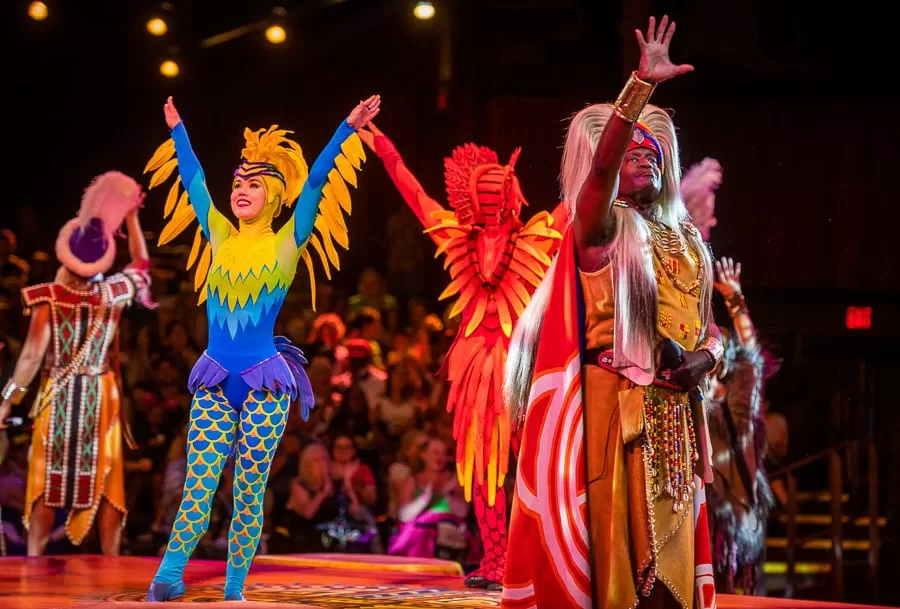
(76, 447)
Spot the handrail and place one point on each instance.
(810, 459)
(837, 455)
(874, 540)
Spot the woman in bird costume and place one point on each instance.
(495, 262)
(245, 381)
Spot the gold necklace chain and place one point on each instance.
(667, 241)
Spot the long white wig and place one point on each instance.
(629, 253)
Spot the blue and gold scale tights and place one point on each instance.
(211, 434)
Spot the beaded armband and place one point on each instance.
(13, 392)
(715, 348)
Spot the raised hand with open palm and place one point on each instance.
(655, 65)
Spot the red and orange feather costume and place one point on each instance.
(495, 263)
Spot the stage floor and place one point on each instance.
(309, 581)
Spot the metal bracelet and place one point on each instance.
(633, 98)
(10, 390)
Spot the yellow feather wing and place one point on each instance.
(162, 174)
(165, 152)
(354, 151)
(172, 198)
(317, 245)
(180, 213)
(309, 265)
(182, 217)
(331, 226)
(195, 247)
(203, 268)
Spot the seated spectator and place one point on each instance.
(322, 515)
(431, 510)
(345, 466)
(407, 462)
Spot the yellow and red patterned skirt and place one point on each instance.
(76, 451)
(644, 540)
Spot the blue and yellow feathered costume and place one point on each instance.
(246, 379)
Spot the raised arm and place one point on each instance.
(138, 271)
(137, 245)
(215, 226)
(728, 285)
(593, 222)
(419, 202)
(301, 223)
(29, 361)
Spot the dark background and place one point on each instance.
(787, 95)
(795, 98)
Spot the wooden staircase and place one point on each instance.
(807, 556)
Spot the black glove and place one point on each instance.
(686, 368)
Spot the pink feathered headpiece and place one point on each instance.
(86, 244)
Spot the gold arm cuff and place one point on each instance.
(633, 98)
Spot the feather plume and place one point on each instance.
(698, 189)
(110, 196)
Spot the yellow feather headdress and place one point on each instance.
(272, 147)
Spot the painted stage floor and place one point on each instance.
(308, 581)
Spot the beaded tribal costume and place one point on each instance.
(610, 506)
(76, 447)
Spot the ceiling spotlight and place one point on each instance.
(423, 10)
(37, 11)
(157, 26)
(275, 34)
(168, 68)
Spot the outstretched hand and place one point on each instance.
(729, 277)
(655, 64)
(363, 113)
(368, 135)
(172, 116)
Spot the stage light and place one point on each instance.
(275, 34)
(168, 68)
(423, 10)
(157, 26)
(37, 11)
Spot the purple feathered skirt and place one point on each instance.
(282, 372)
